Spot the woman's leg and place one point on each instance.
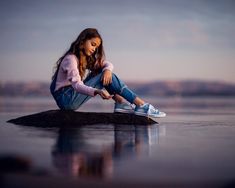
(117, 87)
(121, 92)
(119, 99)
(70, 99)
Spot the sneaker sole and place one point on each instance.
(146, 115)
(123, 111)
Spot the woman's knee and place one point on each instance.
(116, 85)
(114, 77)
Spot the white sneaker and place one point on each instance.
(149, 111)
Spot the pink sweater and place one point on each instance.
(68, 74)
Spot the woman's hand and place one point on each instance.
(106, 77)
(103, 93)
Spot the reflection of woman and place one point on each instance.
(73, 157)
(71, 86)
(76, 153)
(134, 141)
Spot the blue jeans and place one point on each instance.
(67, 98)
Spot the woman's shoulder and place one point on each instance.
(69, 60)
(71, 57)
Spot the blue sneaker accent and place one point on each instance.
(149, 111)
(123, 108)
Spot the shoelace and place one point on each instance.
(151, 110)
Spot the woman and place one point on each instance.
(82, 72)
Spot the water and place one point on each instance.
(194, 143)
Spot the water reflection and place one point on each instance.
(134, 141)
(93, 152)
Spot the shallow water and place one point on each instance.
(195, 142)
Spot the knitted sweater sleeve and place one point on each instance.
(69, 66)
(107, 66)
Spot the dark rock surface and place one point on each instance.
(59, 118)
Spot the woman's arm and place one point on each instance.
(103, 93)
(70, 67)
(107, 73)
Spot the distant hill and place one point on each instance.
(158, 88)
(184, 88)
(24, 89)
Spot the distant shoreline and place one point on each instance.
(157, 88)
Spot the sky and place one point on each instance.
(146, 40)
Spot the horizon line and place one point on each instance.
(133, 81)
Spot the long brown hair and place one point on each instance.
(94, 62)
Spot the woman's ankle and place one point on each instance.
(118, 99)
(138, 101)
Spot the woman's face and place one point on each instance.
(91, 45)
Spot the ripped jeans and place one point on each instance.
(68, 98)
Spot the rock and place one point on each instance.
(60, 118)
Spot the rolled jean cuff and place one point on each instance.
(128, 94)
